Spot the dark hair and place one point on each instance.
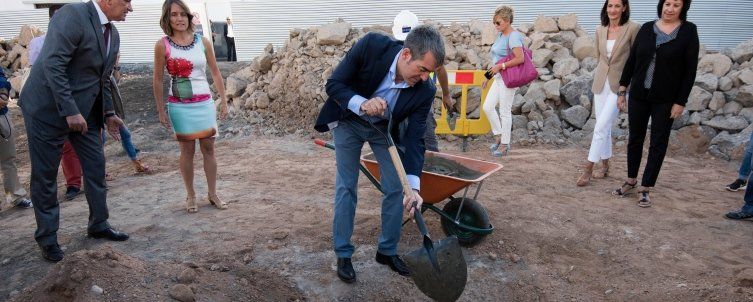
(623, 19)
(164, 21)
(683, 13)
(423, 39)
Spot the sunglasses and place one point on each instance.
(498, 23)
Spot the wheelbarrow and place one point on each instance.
(462, 215)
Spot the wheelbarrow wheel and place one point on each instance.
(473, 214)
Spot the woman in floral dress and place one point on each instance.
(190, 108)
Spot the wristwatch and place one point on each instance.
(621, 93)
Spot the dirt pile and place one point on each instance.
(107, 274)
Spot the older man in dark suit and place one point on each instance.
(70, 98)
(379, 79)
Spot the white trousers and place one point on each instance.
(501, 122)
(605, 105)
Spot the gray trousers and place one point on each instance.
(430, 138)
(11, 184)
(45, 147)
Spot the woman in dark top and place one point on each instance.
(660, 72)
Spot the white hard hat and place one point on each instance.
(404, 22)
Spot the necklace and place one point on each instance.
(182, 47)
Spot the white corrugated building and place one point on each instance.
(259, 22)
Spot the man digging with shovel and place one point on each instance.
(379, 80)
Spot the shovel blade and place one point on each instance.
(452, 118)
(446, 284)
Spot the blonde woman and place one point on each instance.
(614, 37)
(190, 108)
(508, 40)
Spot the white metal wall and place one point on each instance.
(11, 21)
(259, 22)
(139, 33)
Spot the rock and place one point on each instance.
(525, 28)
(489, 34)
(717, 64)
(732, 108)
(473, 58)
(333, 33)
(733, 123)
(517, 104)
(26, 34)
(187, 276)
(519, 122)
(234, 87)
(561, 54)
(698, 100)
(265, 63)
(683, 120)
(725, 84)
(575, 88)
(707, 81)
(568, 21)
(182, 293)
(449, 50)
(553, 122)
(552, 89)
(731, 145)
(584, 47)
(545, 25)
(717, 101)
(745, 96)
(747, 113)
(97, 290)
(565, 67)
(589, 63)
(576, 115)
(535, 94)
(742, 52)
(746, 76)
(537, 40)
(541, 57)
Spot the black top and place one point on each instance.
(675, 70)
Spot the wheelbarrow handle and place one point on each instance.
(323, 143)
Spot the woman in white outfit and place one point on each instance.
(614, 38)
(507, 40)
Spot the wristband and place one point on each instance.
(621, 93)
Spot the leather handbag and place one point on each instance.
(519, 75)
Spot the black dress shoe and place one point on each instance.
(345, 270)
(739, 215)
(109, 234)
(52, 252)
(395, 263)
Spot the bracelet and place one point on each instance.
(504, 67)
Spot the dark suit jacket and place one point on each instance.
(360, 72)
(675, 69)
(72, 73)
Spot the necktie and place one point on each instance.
(107, 34)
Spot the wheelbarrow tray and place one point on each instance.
(438, 187)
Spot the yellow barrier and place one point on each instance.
(464, 126)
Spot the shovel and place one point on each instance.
(439, 271)
(452, 118)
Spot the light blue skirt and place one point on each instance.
(193, 121)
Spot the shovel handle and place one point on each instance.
(400, 170)
(420, 220)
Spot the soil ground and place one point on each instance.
(553, 241)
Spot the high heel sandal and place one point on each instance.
(497, 153)
(583, 180)
(604, 173)
(217, 202)
(625, 189)
(191, 204)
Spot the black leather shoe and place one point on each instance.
(109, 234)
(52, 252)
(395, 263)
(345, 270)
(739, 215)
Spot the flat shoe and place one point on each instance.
(644, 201)
(625, 189)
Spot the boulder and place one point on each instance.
(517, 104)
(541, 57)
(519, 122)
(589, 64)
(747, 113)
(576, 116)
(561, 55)
(717, 64)
(746, 76)
(182, 293)
(26, 34)
(584, 47)
(725, 84)
(545, 24)
(565, 67)
(694, 139)
(732, 108)
(745, 95)
(449, 50)
(333, 33)
(568, 22)
(575, 88)
(742, 52)
(717, 101)
(535, 94)
(731, 145)
(707, 81)
(698, 100)
(552, 89)
(489, 34)
(265, 62)
(733, 123)
(234, 87)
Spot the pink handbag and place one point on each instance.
(519, 75)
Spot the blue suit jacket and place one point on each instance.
(360, 72)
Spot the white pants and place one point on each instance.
(605, 105)
(501, 122)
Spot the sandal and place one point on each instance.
(625, 189)
(191, 204)
(217, 202)
(583, 180)
(644, 201)
(109, 177)
(604, 173)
